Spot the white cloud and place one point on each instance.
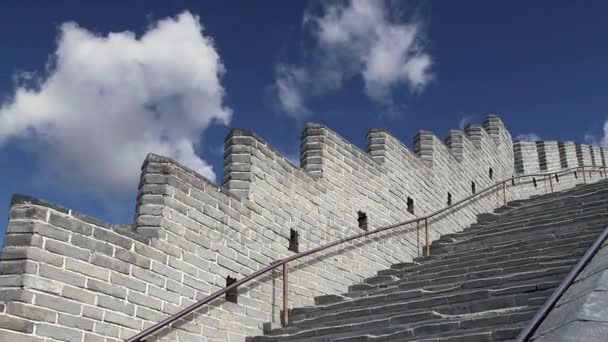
(528, 137)
(288, 83)
(356, 38)
(464, 121)
(109, 100)
(595, 140)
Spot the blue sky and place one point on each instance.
(74, 97)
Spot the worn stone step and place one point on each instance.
(474, 268)
(551, 206)
(507, 325)
(539, 220)
(457, 304)
(564, 199)
(503, 237)
(565, 211)
(517, 246)
(580, 221)
(419, 325)
(420, 298)
(533, 277)
(513, 251)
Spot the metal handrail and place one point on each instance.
(542, 313)
(283, 262)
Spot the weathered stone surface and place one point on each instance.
(106, 282)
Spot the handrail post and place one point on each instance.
(584, 176)
(426, 237)
(418, 237)
(285, 317)
(551, 182)
(504, 191)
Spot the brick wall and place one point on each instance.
(65, 276)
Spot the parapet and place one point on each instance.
(550, 156)
(67, 276)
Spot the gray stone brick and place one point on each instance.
(22, 240)
(66, 249)
(16, 324)
(6, 335)
(16, 294)
(92, 312)
(107, 288)
(77, 294)
(28, 212)
(149, 315)
(150, 252)
(133, 258)
(113, 238)
(59, 333)
(110, 263)
(17, 267)
(41, 284)
(61, 275)
(115, 304)
(163, 294)
(75, 322)
(58, 304)
(92, 244)
(144, 299)
(105, 329)
(128, 282)
(70, 223)
(122, 320)
(88, 337)
(147, 276)
(87, 269)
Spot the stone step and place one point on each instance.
(472, 267)
(528, 206)
(506, 236)
(498, 311)
(475, 304)
(511, 251)
(501, 224)
(508, 323)
(518, 246)
(420, 298)
(550, 205)
(536, 222)
(508, 220)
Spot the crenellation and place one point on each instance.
(526, 157)
(495, 128)
(568, 154)
(97, 280)
(583, 154)
(596, 155)
(454, 140)
(423, 146)
(548, 156)
(474, 133)
(604, 153)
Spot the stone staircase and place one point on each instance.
(482, 284)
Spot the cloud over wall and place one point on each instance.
(356, 38)
(106, 101)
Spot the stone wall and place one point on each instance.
(65, 276)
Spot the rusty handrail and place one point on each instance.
(283, 262)
(542, 313)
